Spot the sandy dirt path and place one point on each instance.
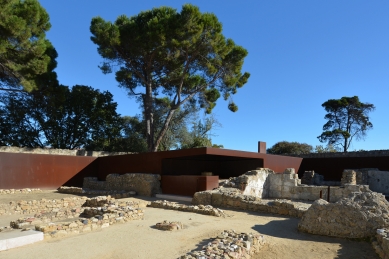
(139, 239)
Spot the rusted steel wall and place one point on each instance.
(332, 167)
(280, 163)
(221, 166)
(41, 171)
(187, 185)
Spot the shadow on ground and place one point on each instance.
(288, 229)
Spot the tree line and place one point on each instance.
(175, 64)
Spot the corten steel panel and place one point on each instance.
(18, 170)
(153, 162)
(187, 185)
(332, 167)
(224, 167)
(279, 163)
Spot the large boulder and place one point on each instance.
(358, 216)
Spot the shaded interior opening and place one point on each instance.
(223, 166)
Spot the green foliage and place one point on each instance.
(285, 147)
(347, 119)
(163, 53)
(25, 53)
(326, 149)
(199, 134)
(62, 118)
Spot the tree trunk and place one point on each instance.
(149, 116)
(163, 130)
(345, 146)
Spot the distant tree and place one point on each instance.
(25, 53)
(326, 149)
(66, 118)
(285, 147)
(182, 56)
(347, 119)
(199, 135)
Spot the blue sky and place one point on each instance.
(301, 53)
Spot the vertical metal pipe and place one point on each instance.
(328, 194)
(321, 194)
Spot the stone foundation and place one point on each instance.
(114, 194)
(17, 191)
(105, 212)
(201, 209)
(229, 244)
(56, 207)
(143, 184)
(244, 202)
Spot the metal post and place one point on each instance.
(328, 194)
(321, 194)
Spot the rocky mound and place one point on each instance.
(358, 216)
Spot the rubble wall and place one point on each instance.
(358, 216)
(142, 184)
(264, 183)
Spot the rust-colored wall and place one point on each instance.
(332, 167)
(280, 163)
(224, 167)
(40, 171)
(187, 185)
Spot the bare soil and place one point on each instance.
(140, 239)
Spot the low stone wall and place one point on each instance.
(358, 216)
(114, 194)
(59, 208)
(231, 199)
(18, 191)
(200, 209)
(64, 152)
(229, 244)
(381, 245)
(107, 211)
(143, 184)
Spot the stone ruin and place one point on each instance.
(357, 216)
(142, 184)
(264, 183)
(229, 244)
(169, 226)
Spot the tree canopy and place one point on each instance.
(285, 147)
(80, 117)
(347, 119)
(162, 53)
(25, 53)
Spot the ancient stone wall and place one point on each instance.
(200, 209)
(264, 183)
(377, 180)
(142, 184)
(232, 199)
(64, 152)
(229, 244)
(358, 216)
(57, 208)
(17, 191)
(253, 182)
(99, 212)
